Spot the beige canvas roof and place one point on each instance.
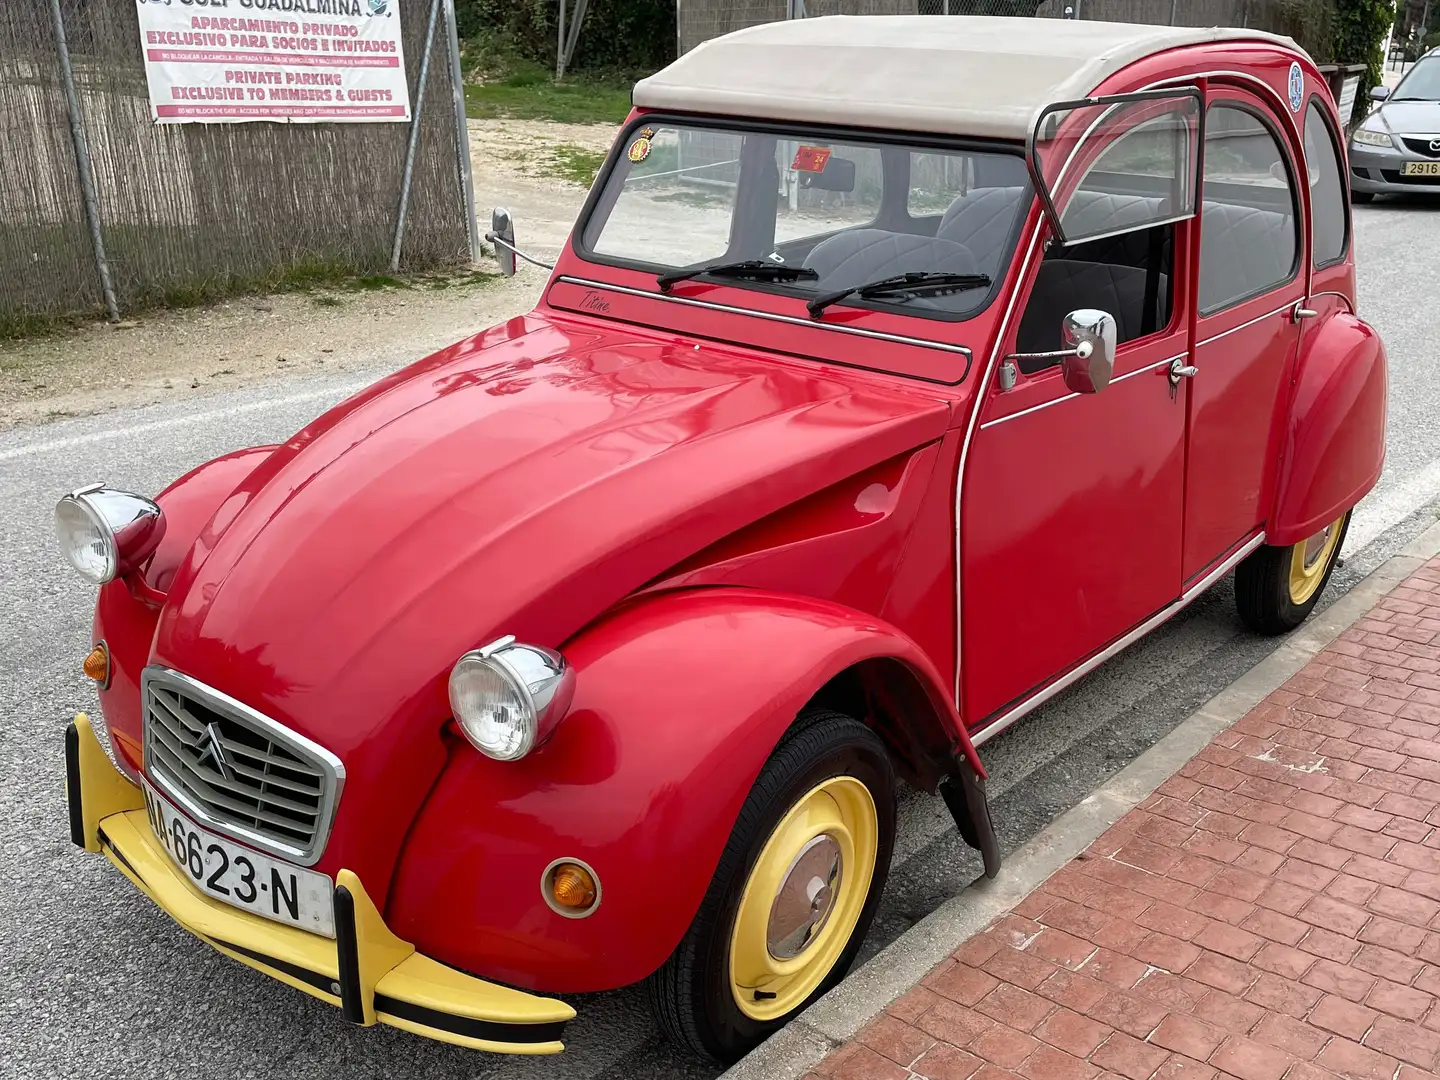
(961, 75)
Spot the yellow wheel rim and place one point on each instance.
(803, 898)
(1309, 560)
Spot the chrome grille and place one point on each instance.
(237, 770)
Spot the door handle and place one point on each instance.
(1181, 370)
(1300, 311)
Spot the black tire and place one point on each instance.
(1262, 587)
(690, 994)
(1362, 197)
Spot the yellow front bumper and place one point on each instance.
(367, 971)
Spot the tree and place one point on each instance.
(1360, 29)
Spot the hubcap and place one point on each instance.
(1310, 560)
(805, 898)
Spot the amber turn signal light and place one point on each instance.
(97, 665)
(571, 888)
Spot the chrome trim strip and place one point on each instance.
(1027, 412)
(1151, 367)
(238, 710)
(1258, 318)
(981, 396)
(1331, 292)
(1075, 674)
(1056, 401)
(709, 305)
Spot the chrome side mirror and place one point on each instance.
(1090, 360)
(502, 235)
(1379, 93)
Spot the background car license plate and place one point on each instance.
(240, 876)
(1420, 168)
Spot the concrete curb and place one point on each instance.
(806, 1040)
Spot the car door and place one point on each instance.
(1250, 282)
(1071, 503)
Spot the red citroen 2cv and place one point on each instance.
(897, 373)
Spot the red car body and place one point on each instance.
(715, 518)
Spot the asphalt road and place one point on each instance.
(94, 981)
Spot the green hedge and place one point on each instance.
(617, 35)
(1360, 29)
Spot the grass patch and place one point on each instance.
(574, 163)
(529, 92)
(327, 300)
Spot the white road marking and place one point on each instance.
(1387, 508)
(337, 392)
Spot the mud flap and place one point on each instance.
(964, 794)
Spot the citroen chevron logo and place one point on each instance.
(214, 750)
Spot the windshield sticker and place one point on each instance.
(1297, 86)
(811, 159)
(639, 149)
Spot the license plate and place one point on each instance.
(241, 876)
(1420, 168)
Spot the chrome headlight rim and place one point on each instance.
(129, 526)
(540, 679)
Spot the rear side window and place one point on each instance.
(1249, 229)
(1329, 225)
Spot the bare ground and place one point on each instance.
(165, 355)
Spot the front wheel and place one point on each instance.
(1276, 587)
(793, 896)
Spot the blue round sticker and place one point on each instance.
(1297, 87)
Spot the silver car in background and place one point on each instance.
(1396, 150)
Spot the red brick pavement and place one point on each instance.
(1272, 910)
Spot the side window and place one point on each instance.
(1329, 213)
(1129, 276)
(1249, 227)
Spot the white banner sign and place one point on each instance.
(295, 61)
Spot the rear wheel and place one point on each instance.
(793, 896)
(1277, 587)
(1362, 197)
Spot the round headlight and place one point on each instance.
(104, 532)
(507, 698)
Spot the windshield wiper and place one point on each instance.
(915, 283)
(756, 268)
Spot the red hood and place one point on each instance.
(520, 482)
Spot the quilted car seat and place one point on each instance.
(981, 220)
(1065, 285)
(1243, 252)
(856, 256)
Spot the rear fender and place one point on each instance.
(680, 698)
(1335, 435)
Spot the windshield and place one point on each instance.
(1421, 82)
(810, 216)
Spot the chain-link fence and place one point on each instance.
(197, 209)
(1309, 22)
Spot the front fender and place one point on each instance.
(680, 698)
(1335, 436)
(126, 623)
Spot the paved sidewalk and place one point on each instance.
(1272, 910)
